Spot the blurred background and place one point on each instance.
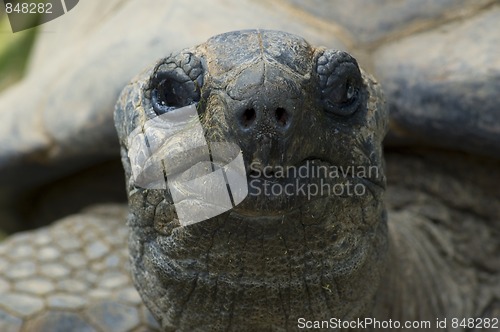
(14, 52)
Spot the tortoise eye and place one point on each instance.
(176, 83)
(351, 92)
(170, 94)
(339, 81)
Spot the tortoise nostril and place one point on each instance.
(281, 116)
(248, 117)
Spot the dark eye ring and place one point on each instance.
(176, 82)
(340, 82)
(167, 95)
(341, 98)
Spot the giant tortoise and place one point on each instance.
(420, 247)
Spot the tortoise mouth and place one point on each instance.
(265, 193)
(276, 191)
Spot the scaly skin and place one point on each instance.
(272, 258)
(72, 276)
(450, 215)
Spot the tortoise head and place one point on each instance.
(255, 178)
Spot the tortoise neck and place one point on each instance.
(421, 282)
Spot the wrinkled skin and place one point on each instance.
(272, 258)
